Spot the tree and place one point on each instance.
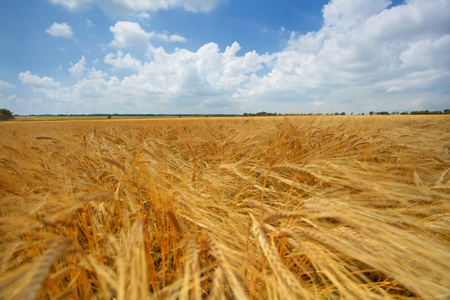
(6, 115)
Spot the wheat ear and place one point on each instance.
(191, 270)
(292, 169)
(292, 287)
(42, 268)
(283, 215)
(227, 269)
(217, 289)
(26, 282)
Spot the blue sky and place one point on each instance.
(224, 56)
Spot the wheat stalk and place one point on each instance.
(191, 270)
(292, 287)
(227, 269)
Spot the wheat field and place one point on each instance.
(339, 207)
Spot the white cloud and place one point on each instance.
(119, 61)
(120, 7)
(177, 38)
(363, 57)
(28, 78)
(367, 56)
(415, 19)
(197, 5)
(422, 54)
(207, 72)
(143, 16)
(78, 68)
(179, 81)
(6, 85)
(72, 4)
(98, 86)
(185, 78)
(129, 34)
(60, 30)
(345, 15)
(171, 38)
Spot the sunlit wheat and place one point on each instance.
(301, 207)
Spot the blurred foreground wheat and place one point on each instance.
(289, 208)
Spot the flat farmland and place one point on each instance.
(338, 207)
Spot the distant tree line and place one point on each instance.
(418, 112)
(427, 112)
(260, 114)
(7, 115)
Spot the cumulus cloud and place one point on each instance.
(60, 30)
(182, 80)
(344, 15)
(171, 38)
(119, 7)
(188, 76)
(177, 38)
(121, 61)
(33, 80)
(78, 68)
(129, 34)
(367, 56)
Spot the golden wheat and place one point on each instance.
(350, 207)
